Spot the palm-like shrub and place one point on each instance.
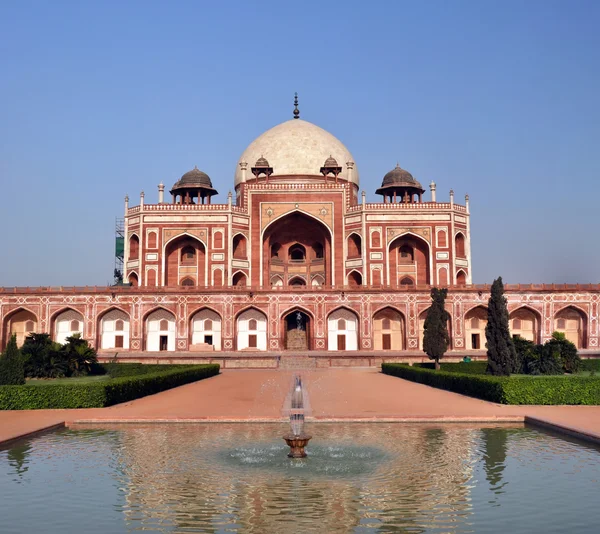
(79, 355)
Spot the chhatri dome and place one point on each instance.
(296, 147)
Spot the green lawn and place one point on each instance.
(74, 380)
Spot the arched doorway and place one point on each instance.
(20, 323)
(114, 330)
(296, 245)
(388, 330)
(297, 330)
(342, 328)
(206, 330)
(66, 324)
(475, 323)
(572, 323)
(251, 330)
(160, 331)
(525, 322)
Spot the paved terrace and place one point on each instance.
(333, 394)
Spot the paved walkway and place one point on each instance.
(246, 395)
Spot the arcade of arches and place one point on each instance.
(297, 251)
(389, 328)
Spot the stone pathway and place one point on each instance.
(256, 395)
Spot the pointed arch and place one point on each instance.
(461, 278)
(389, 329)
(422, 259)
(240, 246)
(205, 328)
(18, 322)
(526, 322)
(251, 329)
(240, 279)
(266, 247)
(160, 329)
(276, 281)
(354, 278)
(342, 328)
(62, 322)
(475, 323)
(572, 321)
(297, 333)
(459, 245)
(354, 245)
(109, 332)
(171, 259)
(133, 279)
(134, 247)
(297, 281)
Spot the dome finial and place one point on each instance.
(296, 110)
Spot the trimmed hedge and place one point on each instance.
(101, 394)
(591, 364)
(467, 368)
(549, 390)
(118, 370)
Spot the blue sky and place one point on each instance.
(499, 100)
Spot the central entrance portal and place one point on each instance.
(297, 328)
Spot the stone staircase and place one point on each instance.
(299, 361)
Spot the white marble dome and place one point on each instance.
(296, 147)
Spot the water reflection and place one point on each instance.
(358, 478)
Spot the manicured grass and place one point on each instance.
(72, 380)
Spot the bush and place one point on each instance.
(101, 394)
(469, 368)
(549, 390)
(592, 364)
(11, 364)
(117, 370)
(566, 351)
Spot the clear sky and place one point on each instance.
(497, 99)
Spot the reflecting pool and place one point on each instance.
(375, 477)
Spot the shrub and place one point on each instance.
(100, 394)
(469, 368)
(591, 364)
(11, 364)
(43, 358)
(567, 352)
(435, 329)
(78, 354)
(549, 390)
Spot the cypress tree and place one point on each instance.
(11, 365)
(501, 353)
(435, 330)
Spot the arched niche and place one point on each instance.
(388, 330)
(240, 247)
(67, 324)
(114, 329)
(160, 331)
(251, 328)
(459, 245)
(133, 279)
(205, 330)
(296, 244)
(240, 279)
(475, 322)
(572, 322)
(354, 279)
(461, 278)
(354, 246)
(409, 257)
(185, 257)
(20, 323)
(525, 322)
(134, 247)
(342, 329)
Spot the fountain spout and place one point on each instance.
(297, 439)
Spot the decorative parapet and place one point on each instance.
(417, 206)
(185, 207)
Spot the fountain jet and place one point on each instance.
(297, 439)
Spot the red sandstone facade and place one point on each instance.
(298, 261)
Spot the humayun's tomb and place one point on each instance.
(296, 261)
